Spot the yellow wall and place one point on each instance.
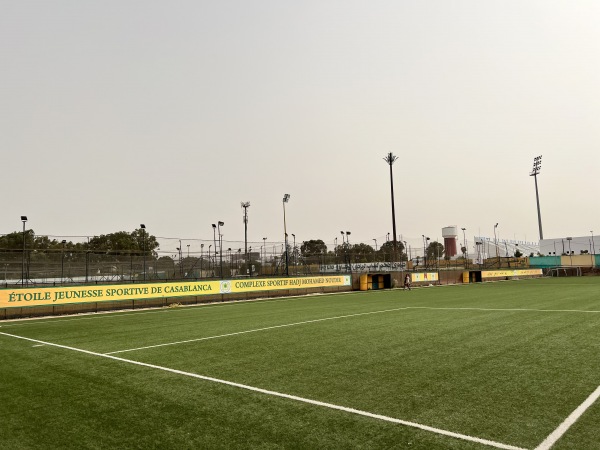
(577, 260)
(86, 294)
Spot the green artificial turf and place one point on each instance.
(505, 362)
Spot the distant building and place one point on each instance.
(569, 246)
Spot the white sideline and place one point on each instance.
(569, 421)
(286, 396)
(256, 329)
(591, 311)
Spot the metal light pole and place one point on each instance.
(62, 262)
(465, 253)
(570, 252)
(286, 198)
(23, 219)
(201, 258)
(496, 245)
(294, 253)
(390, 159)
(180, 265)
(246, 205)
(209, 257)
(265, 261)
(143, 227)
(537, 166)
(214, 242)
(219, 225)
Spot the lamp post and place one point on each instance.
(496, 245)
(62, 262)
(570, 252)
(143, 228)
(201, 256)
(23, 219)
(593, 245)
(219, 225)
(466, 252)
(537, 167)
(214, 227)
(375, 244)
(347, 249)
(209, 256)
(286, 198)
(179, 254)
(294, 252)
(246, 205)
(265, 260)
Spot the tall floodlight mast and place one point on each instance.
(537, 166)
(391, 159)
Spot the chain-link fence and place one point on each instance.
(66, 262)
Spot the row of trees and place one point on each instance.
(119, 243)
(123, 243)
(362, 252)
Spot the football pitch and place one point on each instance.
(512, 365)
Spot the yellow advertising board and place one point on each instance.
(510, 273)
(85, 294)
(426, 276)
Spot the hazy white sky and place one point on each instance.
(116, 113)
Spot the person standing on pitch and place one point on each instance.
(407, 282)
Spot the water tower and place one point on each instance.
(450, 235)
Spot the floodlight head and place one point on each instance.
(142, 225)
(221, 223)
(24, 218)
(286, 197)
(63, 242)
(537, 166)
(347, 232)
(495, 225)
(214, 226)
(342, 232)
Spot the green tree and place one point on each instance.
(386, 250)
(314, 247)
(435, 250)
(123, 243)
(361, 252)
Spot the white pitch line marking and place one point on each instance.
(507, 309)
(569, 421)
(255, 330)
(342, 317)
(440, 431)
